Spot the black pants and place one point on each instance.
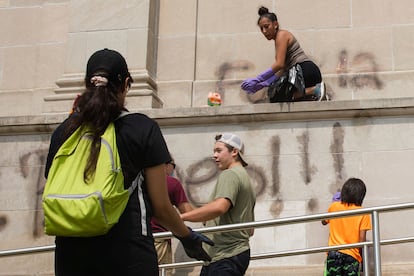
(311, 73)
(104, 256)
(233, 266)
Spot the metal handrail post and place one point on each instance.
(365, 260)
(376, 242)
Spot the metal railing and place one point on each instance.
(375, 243)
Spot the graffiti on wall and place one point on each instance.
(355, 72)
(36, 173)
(227, 68)
(204, 172)
(308, 170)
(337, 149)
(3, 222)
(363, 68)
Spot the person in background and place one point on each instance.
(347, 230)
(178, 199)
(232, 201)
(170, 168)
(288, 53)
(128, 248)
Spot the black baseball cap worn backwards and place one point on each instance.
(109, 61)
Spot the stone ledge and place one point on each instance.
(278, 112)
(297, 111)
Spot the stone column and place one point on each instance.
(128, 26)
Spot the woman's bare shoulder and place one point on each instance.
(285, 33)
(284, 36)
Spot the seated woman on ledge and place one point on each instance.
(288, 54)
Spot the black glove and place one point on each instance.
(193, 245)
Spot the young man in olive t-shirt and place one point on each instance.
(232, 201)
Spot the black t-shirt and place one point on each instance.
(140, 145)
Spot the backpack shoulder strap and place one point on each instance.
(140, 177)
(123, 114)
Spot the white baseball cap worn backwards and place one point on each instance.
(234, 141)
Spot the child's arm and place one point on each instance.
(362, 235)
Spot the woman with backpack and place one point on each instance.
(128, 247)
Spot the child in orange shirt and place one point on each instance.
(346, 230)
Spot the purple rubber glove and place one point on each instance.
(264, 79)
(267, 82)
(265, 75)
(336, 196)
(251, 87)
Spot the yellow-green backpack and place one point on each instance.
(74, 208)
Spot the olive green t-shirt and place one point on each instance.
(233, 184)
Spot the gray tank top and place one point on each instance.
(295, 54)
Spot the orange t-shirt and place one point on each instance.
(346, 230)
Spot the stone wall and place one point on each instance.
(362, 47)
(178, 51)
(299, 155)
